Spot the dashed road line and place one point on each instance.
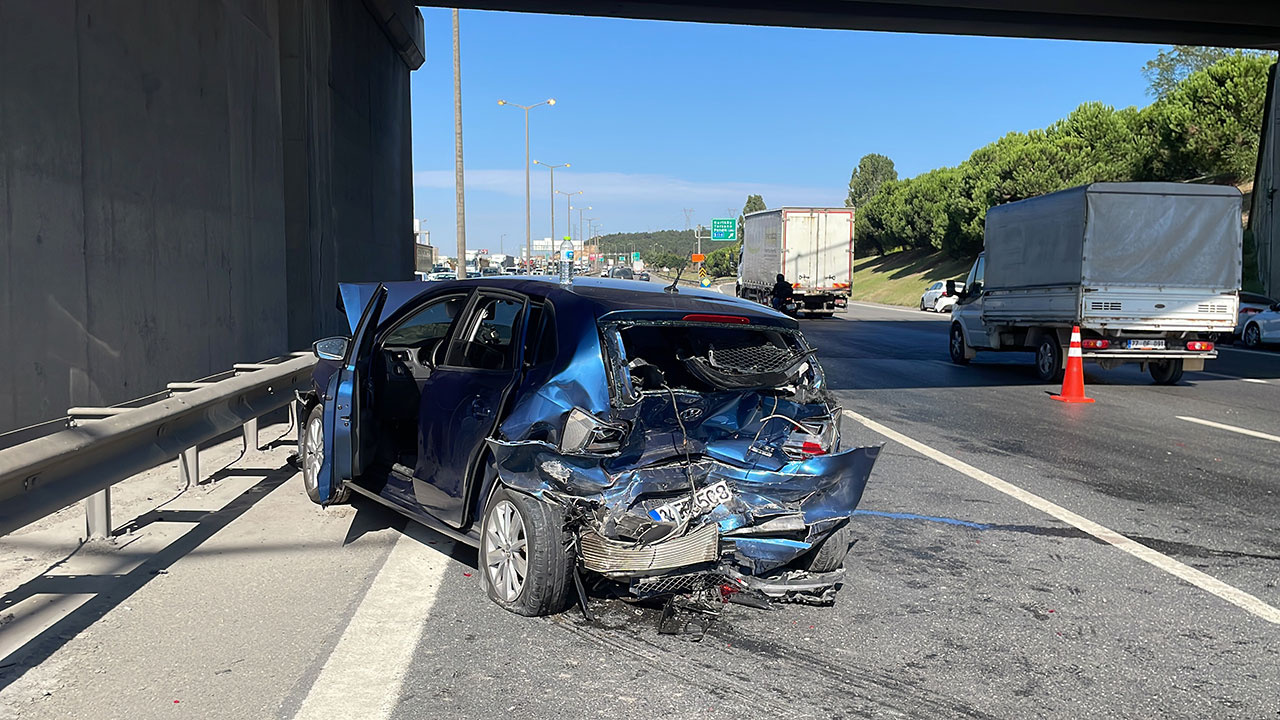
(363, 675)
(1184, 572)
(1264, 353)
(1230, 428)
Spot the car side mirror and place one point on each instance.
(951, 287)
(331, 348)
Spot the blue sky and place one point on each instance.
(656, 117)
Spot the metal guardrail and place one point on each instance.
(106, 445)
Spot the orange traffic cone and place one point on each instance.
(1073, 380)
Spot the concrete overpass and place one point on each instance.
(182, 184)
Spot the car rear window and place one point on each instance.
(685, 354)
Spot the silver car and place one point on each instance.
(937, 298)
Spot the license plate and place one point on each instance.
(1146, 344)
(703, 500)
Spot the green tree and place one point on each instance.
(873, 171)
(754, 203)
(1170, 67)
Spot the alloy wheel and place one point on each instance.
(313, 453)
(506, 555)
(1252, 336)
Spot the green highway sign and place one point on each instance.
(635, 256)
(622, 258)
(724, 229)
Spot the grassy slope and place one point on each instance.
(900, 278)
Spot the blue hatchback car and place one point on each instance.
(664, 441)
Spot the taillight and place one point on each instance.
(1249, 311)
(1095, 344)
(586, 433)
(1199, 346)
(816, 438)
(728, 319)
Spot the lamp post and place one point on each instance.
(552, 168)
(528, 238)
(581, 210)
(568, 217)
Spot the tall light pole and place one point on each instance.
(528, 238)
(568, 217)
(457, 149)
(552, 168)
(580, 211)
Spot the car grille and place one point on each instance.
(751, 358)
(614, 558)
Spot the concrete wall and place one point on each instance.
(150, 219)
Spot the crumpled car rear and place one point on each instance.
(715, 460)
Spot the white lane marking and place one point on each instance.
(364, 673)
(1232, 377)
(1179, 570)
(1264, 353)
(1230, 428)
(916, 312)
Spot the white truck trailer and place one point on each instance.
(1149, 271)
(811, 247)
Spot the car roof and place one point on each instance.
(602, 296)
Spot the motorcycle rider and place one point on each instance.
(781, 293)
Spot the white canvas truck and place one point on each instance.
(1149, 271)
(811, 247)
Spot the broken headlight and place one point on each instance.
(585, 433)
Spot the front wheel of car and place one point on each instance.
(959, 355)
(525, 562)
(311, 449)
(1252, 336)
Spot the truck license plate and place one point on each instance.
(703, 500)
(1146, 344)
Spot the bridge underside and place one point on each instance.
(1230, 23)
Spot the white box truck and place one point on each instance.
(1149, 271)
(811, 247)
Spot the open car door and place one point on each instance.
(348, 406)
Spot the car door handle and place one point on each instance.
(480, 409)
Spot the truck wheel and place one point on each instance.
(959, 354)
(1165, 372)
(1049, 359)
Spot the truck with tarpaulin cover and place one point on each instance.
(1149, 271)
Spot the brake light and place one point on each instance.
(1095, 344)
(1199, 346)
(816, 438)
(1249, 311)
(728, 319)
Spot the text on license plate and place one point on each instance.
(702, 500)
(1146, 344)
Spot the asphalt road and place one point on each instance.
(965, 598)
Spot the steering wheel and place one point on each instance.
(430, 355)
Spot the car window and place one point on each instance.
(935, 286)
(485, 339)
(540, 340)
(427, 324)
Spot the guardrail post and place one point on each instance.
(251, 435)
(98, 515)
(189, 464)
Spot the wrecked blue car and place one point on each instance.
(656, 441)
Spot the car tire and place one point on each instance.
(1049, 359)
(1166, 372)
(311, 454)
(829, 555)
(922, 304)
(517, 530)
(1252, 336)
(959, 354)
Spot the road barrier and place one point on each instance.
(103, 446)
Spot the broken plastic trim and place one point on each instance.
(584, 433)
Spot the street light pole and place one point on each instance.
(568, 217)
(552, 168)
(528, 235)
(457, 148)
(580, 210)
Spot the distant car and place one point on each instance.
(511, 271)
(660, 442)
(936, 297)
(622, 273)
(441, 276)
(490, 272)
(1262, 327)
(644, 275)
